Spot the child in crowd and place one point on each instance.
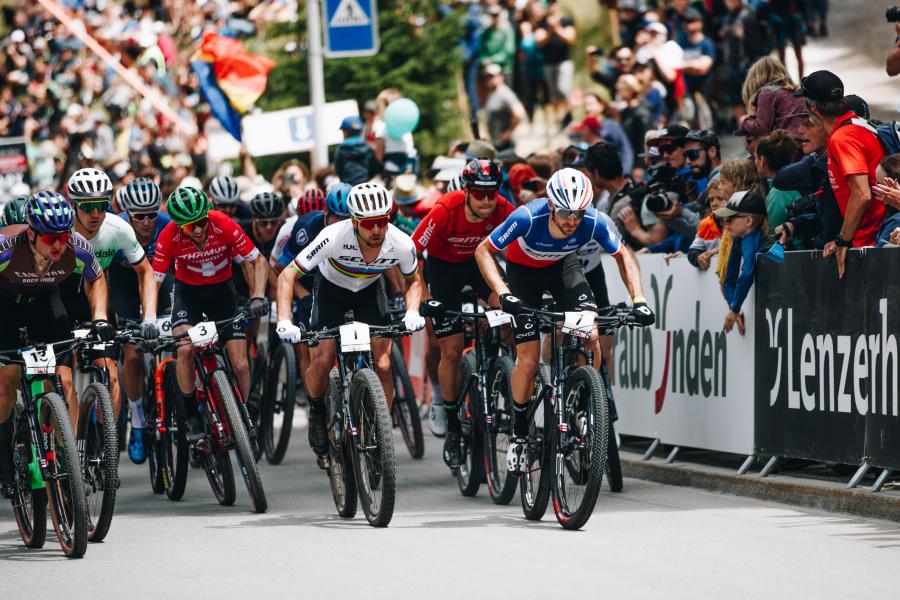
(745, 218)
(709, 232)
(773, 152)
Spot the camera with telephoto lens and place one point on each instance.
(663, 180)
(892, 14)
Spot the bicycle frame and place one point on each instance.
(207, 360)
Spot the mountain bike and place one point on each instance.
(225, 418)
(567, 454)
(405, 409)
(45, 456)
(275, 379)
(359, 424)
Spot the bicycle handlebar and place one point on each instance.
(394, 330)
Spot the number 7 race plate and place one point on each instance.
(578, 324)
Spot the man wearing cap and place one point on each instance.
(592, 130)
(406, 198)
(502, 109)
(854, 152)
(699, 58)
(498, 42)
(354, 159)
(744, 216)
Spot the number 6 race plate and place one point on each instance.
(355, 337)
(578, 324)
(164, 324)
(203, 333)
(39, 361)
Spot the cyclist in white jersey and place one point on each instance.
(352, 257)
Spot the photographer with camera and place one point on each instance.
(892, 64)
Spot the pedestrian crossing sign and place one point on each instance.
(351, 28)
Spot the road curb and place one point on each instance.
(822, 495)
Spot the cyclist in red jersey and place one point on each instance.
(202, 244)
(448, 236)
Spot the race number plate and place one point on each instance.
(355, 337)
(164, 324)
(578, 324)
(495, 318)
(468, 307)
(39, 361)
(203, 333)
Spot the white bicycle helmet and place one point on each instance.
(140, 195)
(224, 190)
(570, 189)
(89, 184)
(369, 200)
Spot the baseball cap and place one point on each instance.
(692, 15)
(405, 189)
(481, 149)
(859, 106)
(17, 36)
(657, 27)
(704, 136)
(589, 124)
(746, 202)
(495, 9)
(821, 86)
(354, 124)
(493, 69)
(672, 133)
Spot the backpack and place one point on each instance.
(887, 133)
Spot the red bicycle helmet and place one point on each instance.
(482, 175)
(312, 199)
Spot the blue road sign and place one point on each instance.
(351, 28)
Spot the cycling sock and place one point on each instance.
(452, 411)
(317, 406)
(520, 420)
(188, 403)
(436, 398)
(137, 413)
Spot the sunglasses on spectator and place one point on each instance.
(373, 222)
(198, 224)
(692, 154)
(93, 205)
(267, 222)
(567, 213)
(482, 194)
(143, 216)
(52, 238)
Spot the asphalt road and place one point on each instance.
(651, 539)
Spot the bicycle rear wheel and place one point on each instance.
(151, 440)
(174, 452)
(243, 451)
(497, 431)
(404, 409)
(340, 473)
(217, 466)
(373, 454)
(471, 441)
(65, 488)
(582, 450)
(99, 453)
(278, 403)
(29, 504)
(534, 486)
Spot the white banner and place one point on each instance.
(684, 380)
(294, 129)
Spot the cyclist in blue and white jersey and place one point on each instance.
(541, 239)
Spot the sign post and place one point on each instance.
(316, 80)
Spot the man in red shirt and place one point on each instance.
(448, 236)
(854, 152)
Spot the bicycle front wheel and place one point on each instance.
(580, 452)
(173, 445)
(29, 504)
(404, 409)
(373, 453)
(277, 416)
(340, 473)
(151, 441)
(497, 431)
(243, 451)
(471, 467)
(65, 488)
(98, 447)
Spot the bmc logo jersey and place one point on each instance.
(526, 232)
(335, 251)
(225, 241)
(447, 234)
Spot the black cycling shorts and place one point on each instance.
(43, 316)
(596, 278)
(74, 299)
(564, 280)
(332, 302)
(211, 302)
(124, 294)
(446, 281)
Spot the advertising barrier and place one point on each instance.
(684, 381)
(13, 164)
(827, 358)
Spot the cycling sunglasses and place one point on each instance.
(373, 222)
(198, 224)
(143, 216)
(692, 154)
(52, 238)
(566, 213)
(90, 206)
(267, 222)
(482, 194)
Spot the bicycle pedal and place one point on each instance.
(324, 462)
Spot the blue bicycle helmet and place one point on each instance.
(336, 201)
(48, 212)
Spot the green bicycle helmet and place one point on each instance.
(187, 204)
(14, 211)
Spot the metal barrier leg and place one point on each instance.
(879, 483)
(770, 466)
(857, 477)
(748, 462)
(671, 457)
(649, 453)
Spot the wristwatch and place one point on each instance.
(839, 241)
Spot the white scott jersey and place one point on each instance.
(335, 251)
(115, 235)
